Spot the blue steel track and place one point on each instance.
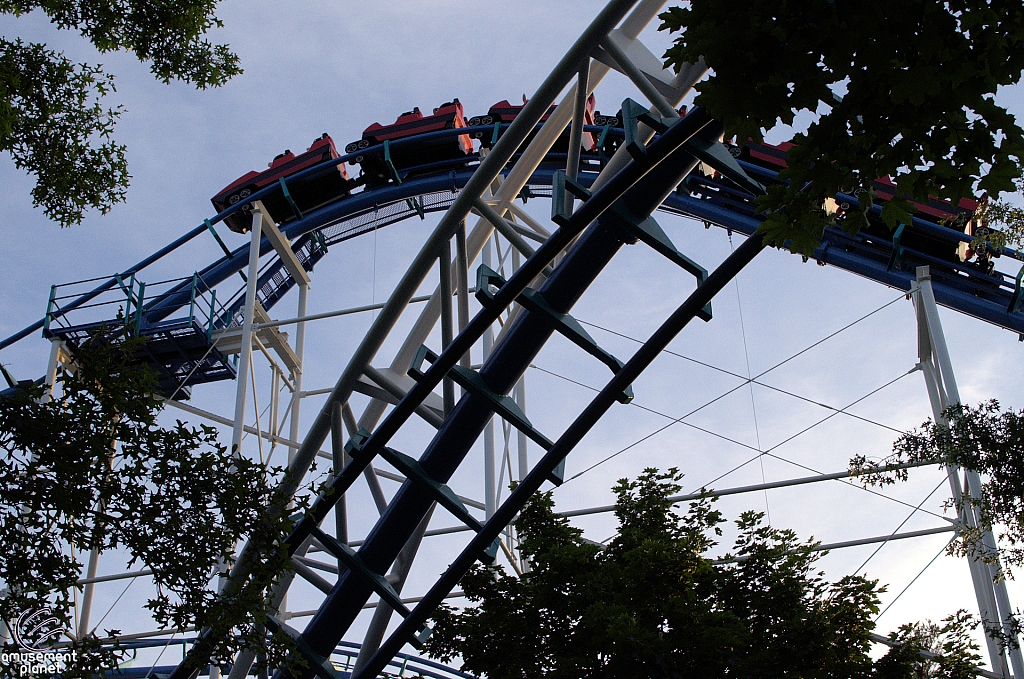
(957, 286)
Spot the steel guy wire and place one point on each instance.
(650, 410)
(752, 381)
(750, 384)
(162, 650)
(902, 523)
(741, 385)
(854, 485)
(805, 430)
(831, 415)
(927, 566)
(752, 459)
(131, 581)
(680, 420)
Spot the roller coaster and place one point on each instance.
(604, 176)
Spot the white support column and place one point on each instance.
(57, 356)
(51, 369)
(572, 162)
(293, 427)
(245, 352)
(87, 593)
(300, 342)
(462, 282)
(490, 481)
(989, 585)
(519, 395)
(445, 288)
(521, 441)
(275, 399)
(631, 71)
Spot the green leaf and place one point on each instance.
(896, 212)
(920, 100)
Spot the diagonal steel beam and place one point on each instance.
(495, 161)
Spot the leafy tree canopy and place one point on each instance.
(52, 120)
(903, 88)
(988, 440)
(92, 469)
(653, 603)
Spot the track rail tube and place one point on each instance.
(588, 212)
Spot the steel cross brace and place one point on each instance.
(565, 324)
(501, 404)
(641, 190)
(443, 495)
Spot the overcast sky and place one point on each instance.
(337, 67)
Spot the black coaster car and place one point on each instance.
(609, 140)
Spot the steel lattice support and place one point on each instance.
(986, 575)
(546, 275)
(481, 181)
(502, 370)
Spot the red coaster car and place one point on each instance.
(769, 156)
(307, 193)
(959, 216)
(504, 113)
(935, 210)
(447, 116)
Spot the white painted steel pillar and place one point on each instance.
(519, 394)
(490, 481)
(989, 585)
(300, 343)
(51, 370)
(87, 593)
(245, 352)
